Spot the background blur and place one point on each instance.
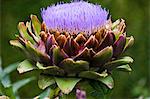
(135, 12)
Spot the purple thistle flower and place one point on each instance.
(65, 58)
(74, 17)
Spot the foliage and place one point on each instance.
(134, 11)
(8, 88)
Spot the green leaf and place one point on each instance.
(71, 66)
(108, 81)
(2, 88)
(92, 75)
(122, 61)
(25, 66)
(36, 25)
(45, 81)
(6, 81)
(66, 84)
(100, 90)
(51, 70)
(8, 69)
(115, 24)
(23, 32)
(44, 94)
(102, 56)
(57, 55)
(36, 54)
(71, 95)
(91, 93)
(126, 68)
(16, 43)
(129, 42)
(9, 92)
(54, 92)
(28, 25)
(17, 85)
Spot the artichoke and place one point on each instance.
(73, 45)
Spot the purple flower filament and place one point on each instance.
(74, 17)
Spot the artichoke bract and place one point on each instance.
(76, 41)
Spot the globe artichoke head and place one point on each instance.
(72, 42)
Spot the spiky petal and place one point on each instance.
(75, 17)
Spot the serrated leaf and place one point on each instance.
(45, 81)
(122, 61)
(108, 81)
(102, 56)
(71, 66)
(17, 85)
(126, 68)
(92, 75)
(25, 66)
(36, 25)
(66, 84)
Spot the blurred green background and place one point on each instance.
(136, 14)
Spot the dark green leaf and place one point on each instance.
(91, 93)
(100, 89)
